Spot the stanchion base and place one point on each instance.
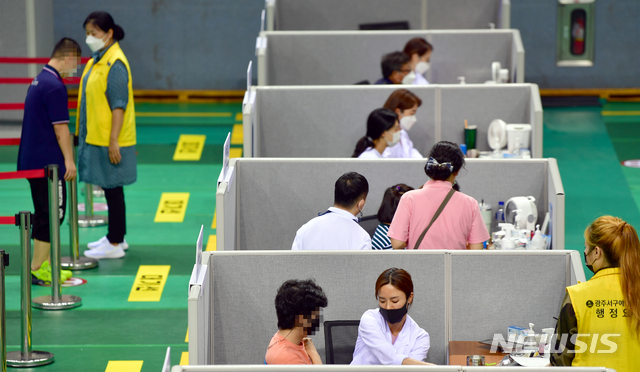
(66, 302)
(82, 263)
(96, 220)
(17, 359)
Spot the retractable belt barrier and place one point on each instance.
(28, 80)
(74, 261)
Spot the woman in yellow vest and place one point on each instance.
(599, 323)
(106, 128)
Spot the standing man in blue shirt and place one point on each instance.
(46, 140)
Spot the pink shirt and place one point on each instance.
(459, 223)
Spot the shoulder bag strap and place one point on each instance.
(435, 216)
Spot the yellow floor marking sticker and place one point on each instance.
(215, 220)
(237, 135)
(189, 147)
(620, 113)
(172, 207)
(235, 153)
(124, 366)
(186, 339)
(239, 117)
(212, 243)
(184, 358)
(184, 114)
(149, 283)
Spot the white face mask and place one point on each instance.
(94, 43)
(409, 78)
(407, 122)
(422, 67)
(394, 141)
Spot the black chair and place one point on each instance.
(400, 25)
(369, 224)
(340, 340)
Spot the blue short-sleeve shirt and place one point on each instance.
(45, 106)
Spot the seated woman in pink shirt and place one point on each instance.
(298, 304)
(459, 225)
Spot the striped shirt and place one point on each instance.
(380, 239)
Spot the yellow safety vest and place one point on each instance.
(99, 114)
(602, 317)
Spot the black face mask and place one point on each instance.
(394, 316)
(590, 267)
(314, 327)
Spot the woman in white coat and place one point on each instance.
(387, 335)
(383, 130)
(405, 104)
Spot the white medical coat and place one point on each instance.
(403, 149)
(374, 341)
(370, 153)
(337, 230)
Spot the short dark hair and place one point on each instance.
(393, 62)
(297, 297)
(349, 189)
(105, 22)
(390, 202)
(66, 46)
(445, 152)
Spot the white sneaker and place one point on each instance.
(105, 251)
(103, 240)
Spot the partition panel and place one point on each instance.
(277, 196)
(348, 57)
(469, 54)
(492, 290)
(317, 121)
(556, 206)
(245, 285)
(420, 14)
(345, 14)
(480, 105)
(327, 121)
(463, 14)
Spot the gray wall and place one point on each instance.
(207, 44)
(175, 44)
(616, 56)
(14, 43)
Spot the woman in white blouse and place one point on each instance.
(387, 335)
(383, 130)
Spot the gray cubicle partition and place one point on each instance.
(298, 15)
(327, 121)
(268, 199)
(348, 57)
(458, 295)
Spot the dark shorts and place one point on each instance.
(40, 196)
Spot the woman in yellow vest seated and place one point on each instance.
(599, 323)
(106, 128)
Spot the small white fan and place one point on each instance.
(499, 75)
(497, 135)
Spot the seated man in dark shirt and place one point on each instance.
(395, 66)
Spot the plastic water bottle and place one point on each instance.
(499, 215)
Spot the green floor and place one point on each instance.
(108, 327)
(588, 146)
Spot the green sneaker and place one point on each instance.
(42, 274)
(64, 274)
